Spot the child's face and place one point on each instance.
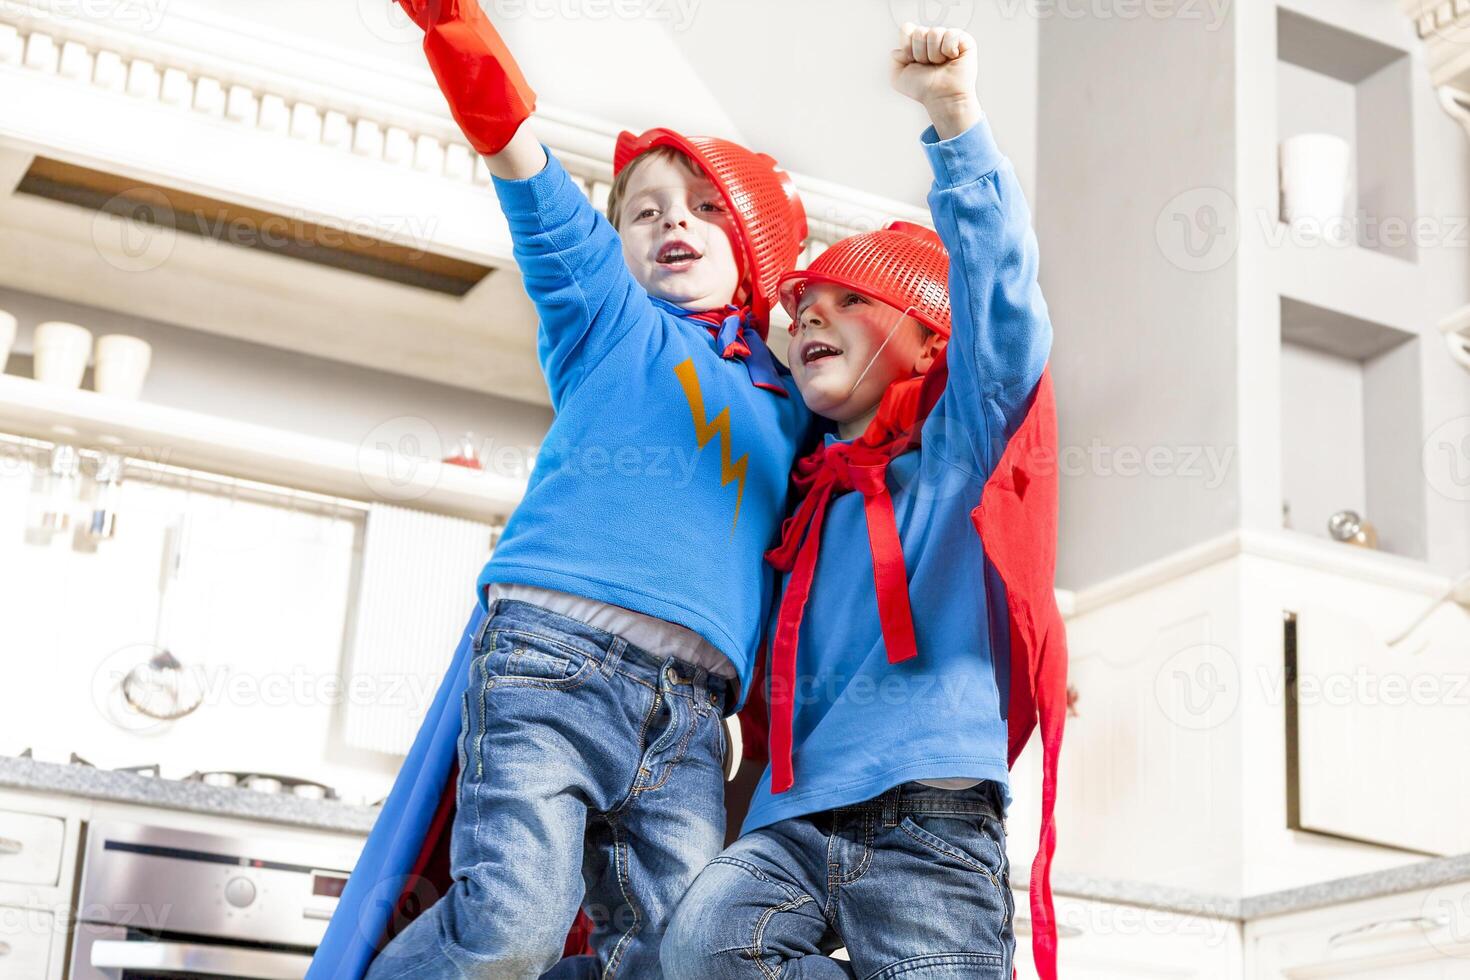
(676, 235)
(838, 354)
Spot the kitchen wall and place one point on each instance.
(1134, 110)
(263, 606)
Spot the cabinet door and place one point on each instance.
(1099, 941)
(25, 943)
(30, 848)
(1373, 724)
(1417, 936)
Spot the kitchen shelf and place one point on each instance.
(158, 434)
(1350, 425)
(1332, 80)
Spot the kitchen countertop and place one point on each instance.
(1428, 873)
(172, 794)
(126, 787)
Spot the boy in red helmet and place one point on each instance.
(624, 602)
(910, 659)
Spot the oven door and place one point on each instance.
(114, 953)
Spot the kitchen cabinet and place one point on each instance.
(1363, 706)
(25, 943)
(1423, 935)
(39, 840)
(1103, 941)
(30, 848)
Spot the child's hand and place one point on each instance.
(937, 67)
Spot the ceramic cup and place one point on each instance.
(62, 350)
(122, 365)
(1315, 171)
(7, 337)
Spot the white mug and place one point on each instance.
(7, 337)
(62, 350)
(122, 364)
(1315, 171)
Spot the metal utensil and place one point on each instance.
(162, 689)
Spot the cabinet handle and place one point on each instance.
(1423, 923)
(1064, 931)
(8, 846)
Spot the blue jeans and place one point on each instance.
(915, 884)
(590, 774)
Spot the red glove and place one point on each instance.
(487, 93)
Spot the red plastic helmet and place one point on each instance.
(905, 265)
(769, 219)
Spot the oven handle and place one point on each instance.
(224, 961)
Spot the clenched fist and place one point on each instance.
(937, 67)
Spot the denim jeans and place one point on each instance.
(590, 775)
(915, 883)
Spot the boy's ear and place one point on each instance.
(929, 350)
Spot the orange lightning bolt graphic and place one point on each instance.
(705, 430)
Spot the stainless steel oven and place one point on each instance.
(157, 903)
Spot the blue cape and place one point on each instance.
(390, 861)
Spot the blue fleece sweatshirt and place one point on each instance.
(663, 477)
(861, 724)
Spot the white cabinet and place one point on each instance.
(38, 858)
(30, 848)
(26, 939)
(1102, 941)
(1421, 935)
(1362, 706)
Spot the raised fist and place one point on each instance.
(932, 65)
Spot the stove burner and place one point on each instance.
(255, 781)
(264, 783)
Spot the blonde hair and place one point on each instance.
(620, 182)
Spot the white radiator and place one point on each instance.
(418, 576)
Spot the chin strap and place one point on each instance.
(881, 347)
(488, 95)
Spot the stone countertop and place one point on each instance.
(1427, 873)
(126, 787)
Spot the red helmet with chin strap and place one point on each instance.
(768, 218)
(905, 265)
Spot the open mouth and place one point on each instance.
(678, 254)
(815, 351)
